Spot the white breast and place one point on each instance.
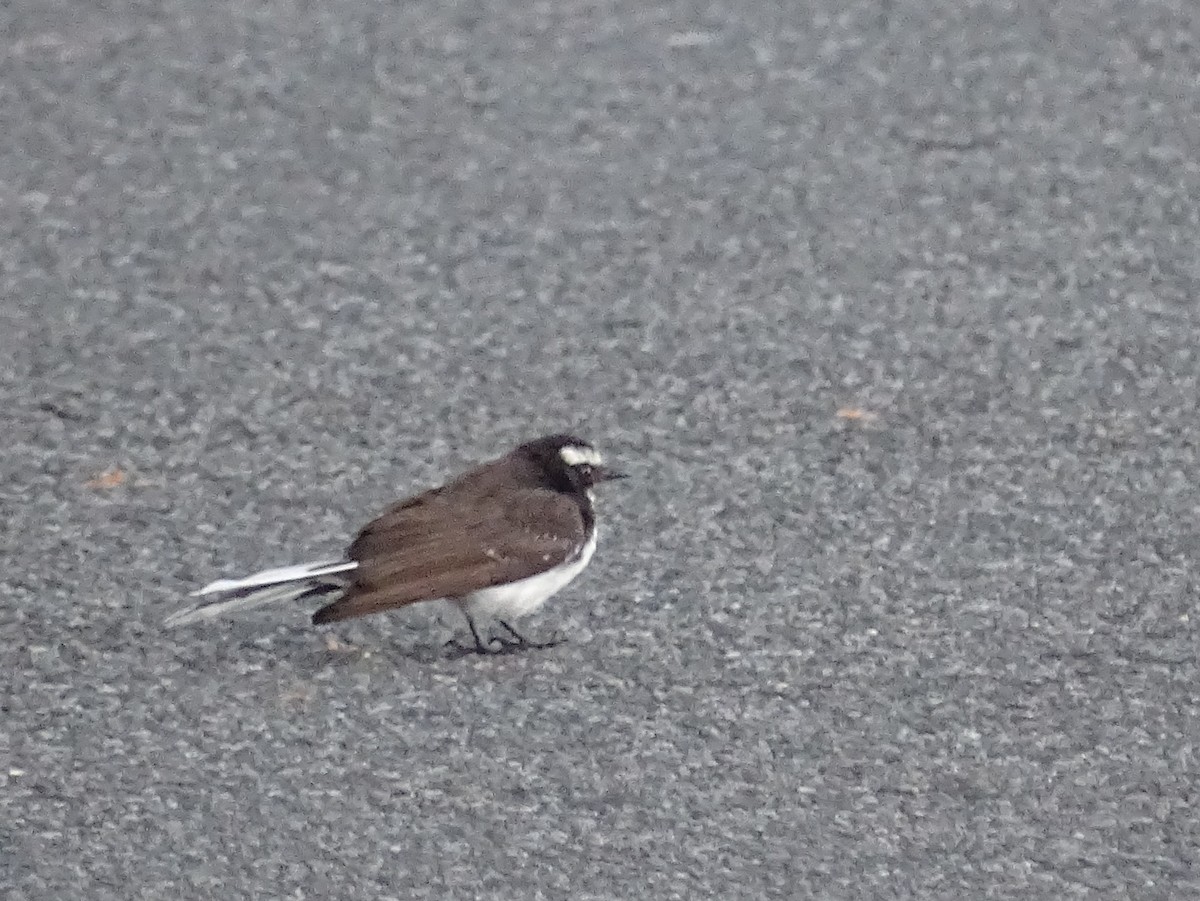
(517, 599)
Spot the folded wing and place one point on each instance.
(427, 548)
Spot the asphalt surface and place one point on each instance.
(891, 309)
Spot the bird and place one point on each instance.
(496, 542)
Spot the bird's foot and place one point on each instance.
(519, 641)
(464, 648)
(497, 644)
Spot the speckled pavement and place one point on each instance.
(891, 310)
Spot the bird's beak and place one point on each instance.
(605, 474)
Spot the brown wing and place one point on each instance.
(431, 548)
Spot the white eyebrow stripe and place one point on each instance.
(574, 455)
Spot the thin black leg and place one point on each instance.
(479, 648)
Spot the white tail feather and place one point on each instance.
(276, 576)
(270, 586)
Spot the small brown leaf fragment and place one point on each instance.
(110, 478)
(298, 695)
(336, 646)
(856, 414)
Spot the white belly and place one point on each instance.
(517, 599)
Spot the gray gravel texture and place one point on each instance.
(281, 262)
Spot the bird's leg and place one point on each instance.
(521, 641)
(479, 648)
(518, 638)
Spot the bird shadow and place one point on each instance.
(307, 654)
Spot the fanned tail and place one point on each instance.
(270, 586)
